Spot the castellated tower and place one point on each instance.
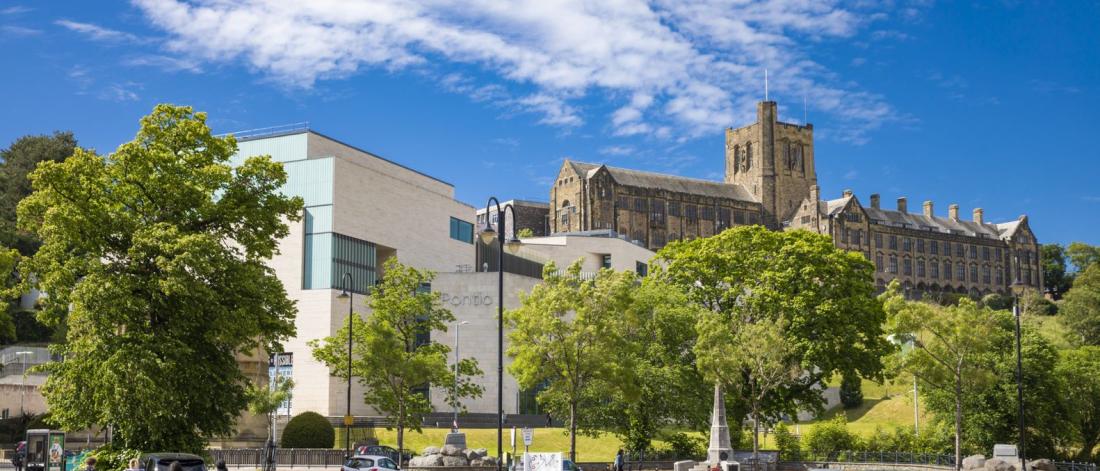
(774, 161)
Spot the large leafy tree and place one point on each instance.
(1052, 258)
(157, 253)
(8, 289)
(1082, 255)
(820, 298)
(16, 163)
(1079, 372)
(669, 392)
(568, 334)
(951, 347)
(1080, 310)
(390, 358)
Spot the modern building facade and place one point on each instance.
(771, 179)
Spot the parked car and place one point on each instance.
(370, 463)
(568, 465)
(161, 461)
(379, 450)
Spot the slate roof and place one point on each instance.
(694, 186)
(921, 222)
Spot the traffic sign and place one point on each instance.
(528, 435)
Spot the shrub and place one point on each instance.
(112, 458)
(831, 436)
(851, 392)
(308, 430)
(683, 445)
(785, 441)
(997, 302)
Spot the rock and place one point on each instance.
(489, 461)
(1041, 465)
(430, 450)
(433, 460)
(481, 451)
(472, 454)
(974, 462)
(476, 462)
(997, 464)
(451, 450)
(455, 461)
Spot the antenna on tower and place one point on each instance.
(765, 84)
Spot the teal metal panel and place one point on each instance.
(281, 148)
(317, 269)
(318, 219)
(310, 179)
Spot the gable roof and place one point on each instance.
(673, 183)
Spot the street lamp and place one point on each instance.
(487, 235)
(457, 325)
(23, 387)
(1018, 290)
(346, 293)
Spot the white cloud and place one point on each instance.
(617, 150)
(14, 10)
(165, 63)
(120, 92)
(98, 33)
(672, 68)
(16, 30)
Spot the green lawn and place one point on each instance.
(884, 405)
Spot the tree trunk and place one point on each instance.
(755, 435)
(573, 431)
(958, 416)
(401, 436)
(1086, 450)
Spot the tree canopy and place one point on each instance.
(1082, 255)
(821, 297)
(389, 357)
(155, 258)
(1080, 310)
(16, 164)
(1079, 373)
(1052, 260)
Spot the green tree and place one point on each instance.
(525, 233)
(1052, 260)
(1079, 373)
(1081, 307)
(820, 297)
(568, 333)
(1082, 255)
(831, 437)
(390, 358)
(265, 400)
(155, 258)
(786, 442)
(16, 164)
(949, 342)
(9, 288)
(660, 328)
(308, 430)
(851, 392)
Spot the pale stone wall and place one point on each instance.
(564, 250)
(33, 402)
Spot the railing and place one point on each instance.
(899, 457)
(285, 457)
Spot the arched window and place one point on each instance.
(736, 159)
(947, 269)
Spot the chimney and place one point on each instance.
(928, 208)
(978, 215)
(847, 193)
(874, 200)
(903, 207)
(953, 212)
(815, 193)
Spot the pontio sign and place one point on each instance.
(472, 299)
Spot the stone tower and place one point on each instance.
(774, 161)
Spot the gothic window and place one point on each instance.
(639, 236)
(893, 264)
(754, 218)
(998, 253)
(788, 159)
(690, 211)
(657, 215)
(673, 236)
(723, 218)
(801, 159)
(947, 248)
(674, 208)
(1000, 275)
(934, 269)
(878, 240)
(844, 235)
(985, 253)
(907, 244)
(960, 271)
(920, 268)
(796, 156)
(658, 239)
(934, 247)
(708, 213)
(622, 202)
(920, 245)
(908, 264)
(739, 217)
(960, 250)
(736, 159)
(986, 274)
(893, 242)
(947, 269)
(858, 237)
(878, 262)
(640, 204)
(746, 162)
(973, 273)
(973, 251)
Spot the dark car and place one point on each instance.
(161, 461)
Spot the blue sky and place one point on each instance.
(984, 104)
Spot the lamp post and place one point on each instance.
(487, 235)
(346, 293)
(23, 387)
(1017, 290)
(457, 326)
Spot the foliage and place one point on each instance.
(820, 299)
(1040, 306)
(932, 439)
(785, 441)
(155, 259)
(949, 344)
(1082, 255)
(308, 430)
(525, 233)
(851, 391)
(387, 358)
(1052, 260)
(831, 436)
(265, 400)
(996, 301)
(111, 457)
(1079, 373)
(569, 334)
(9, 288)
(659, 327)
(16, 163)
(683, 445)
(31, 330)
(1081, 307)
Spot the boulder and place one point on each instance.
(476, 462)
(451, 450)
(455, 461)
(1041, 465)
(473, 454)
(489, 461)
(974, 462)
(997, 464)
(429, 460)
(481, 452)
(430, 450)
